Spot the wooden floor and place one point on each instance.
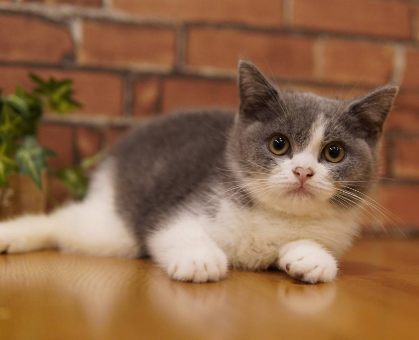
(49, 295)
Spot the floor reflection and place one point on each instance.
(192, 305)
(102, 296)
(307, 299)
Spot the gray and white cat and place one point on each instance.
(199, 192)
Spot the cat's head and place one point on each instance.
(301, 153)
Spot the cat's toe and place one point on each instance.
(198, 265)
(309, 264)
(11, 243)
(11, 247)
(325, 272)
(8, 243)
(4, 246)
(312, 271)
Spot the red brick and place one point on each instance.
(113, 134)
(406, 164)
(58, 192)
(187, 93)
(231, 11)
(370, 17)
(407, 100)
(282, 55)
(411, 74)
(88, 141)
(342, 92)
(401, 119)
(416, 23)
(58, 138)
(100, 93)
(401, 201)
(383, 159)
(127, 45)
(146, 95)
(87, 3)
(26, 38)
(346, 61)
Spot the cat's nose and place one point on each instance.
(303, 174)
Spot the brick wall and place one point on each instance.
(132, 59)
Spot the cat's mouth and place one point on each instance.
(301, 191)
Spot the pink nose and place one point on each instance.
(303, 174)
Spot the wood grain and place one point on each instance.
(48, 295)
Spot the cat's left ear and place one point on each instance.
(372, 109)
(258, 96)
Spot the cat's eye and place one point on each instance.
(279, 145)
(334, 152)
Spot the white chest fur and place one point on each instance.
(252, 238)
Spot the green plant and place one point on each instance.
(20, 152)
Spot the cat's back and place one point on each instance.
(160, 164)
(182, 134)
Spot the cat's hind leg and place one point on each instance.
(186, 252)
(90, 227)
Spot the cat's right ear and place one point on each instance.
(257, 94)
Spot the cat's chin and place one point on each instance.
(300, 202)
(311, 209)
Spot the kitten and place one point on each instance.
(276, 184)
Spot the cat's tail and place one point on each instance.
(90, 227)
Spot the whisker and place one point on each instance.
(355, 204)
(347, 213)
(376, 208)
(376, 203)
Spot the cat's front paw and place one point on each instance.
(14, 241)
(307, 261)
(27, 233)
(198, 264)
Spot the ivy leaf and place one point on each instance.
(32, 115)
(37, 80)
(59, 94)
(31, 159)
(89, 162)
(74, 180)
(32, 102)
(5, 170)
(10, 122)
(17, 103)
(7, 164)
(29, 107)
(21, 113)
